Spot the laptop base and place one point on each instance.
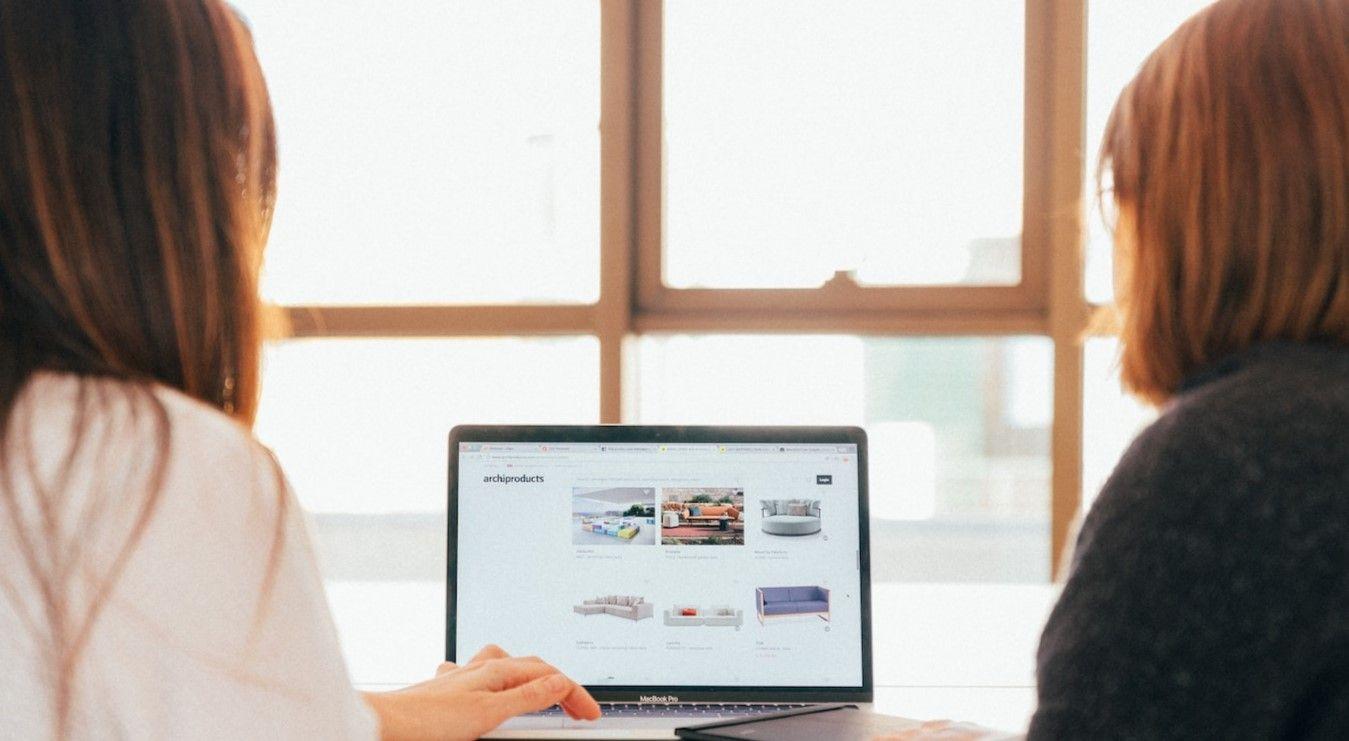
(629, 721)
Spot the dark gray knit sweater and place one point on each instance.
(1209, 592)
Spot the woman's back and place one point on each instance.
(157, 582)
(1210, 588)
(214, 624)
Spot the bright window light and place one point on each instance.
(433, 152)
(803, 138)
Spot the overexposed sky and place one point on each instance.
(456, 144)
(448, 152)
(431, 151)
(804, 137)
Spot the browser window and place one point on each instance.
(651, 564)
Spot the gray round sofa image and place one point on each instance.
(790, 516)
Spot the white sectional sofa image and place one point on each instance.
(624, 606)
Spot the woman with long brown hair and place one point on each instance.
(157, 580)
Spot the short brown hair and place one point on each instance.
(1229, 155)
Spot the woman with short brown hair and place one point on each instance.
(1209, 592)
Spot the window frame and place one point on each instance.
(1049, 301)
(1028, 297)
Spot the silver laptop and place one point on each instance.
(682, 574)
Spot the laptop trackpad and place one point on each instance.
(527, 721)
(532, 722)
(628, 728)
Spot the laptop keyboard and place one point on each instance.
(709, 710)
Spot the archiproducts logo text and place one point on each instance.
(498, 478)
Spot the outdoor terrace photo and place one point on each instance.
(702, 516)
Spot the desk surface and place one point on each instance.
(963, 651)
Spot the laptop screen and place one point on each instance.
(663, 563)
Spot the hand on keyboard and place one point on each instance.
(466, 701)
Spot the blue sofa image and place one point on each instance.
(791, 601)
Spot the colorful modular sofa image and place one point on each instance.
(625, 528)
(702, 516)
(691, 615)
(793, 517)
(624, 606)
(613, 516)
(779, 602)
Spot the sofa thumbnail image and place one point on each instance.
(625, 528)
(685, 615)
(622, 515)
(702, 516)
(693, 514)
(790, 516)
(771, 602)
(624, 606)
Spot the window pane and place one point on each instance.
(959, 432)
(360, 426)
(433, 152)
(804, 137)
(1111, 417)
(1120, 35)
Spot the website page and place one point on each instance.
(666, 565)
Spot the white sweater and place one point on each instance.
(179, 648)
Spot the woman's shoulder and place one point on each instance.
(1246, 467)
(1274, 411)
(70, 404)
(1253, 450)
(211, 586)
(1275, 381)
(204, 430)
(77, 427)
(1221, 539)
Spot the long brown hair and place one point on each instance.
(137, 176)
(1229, 155)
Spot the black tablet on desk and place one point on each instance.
(804, 724)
